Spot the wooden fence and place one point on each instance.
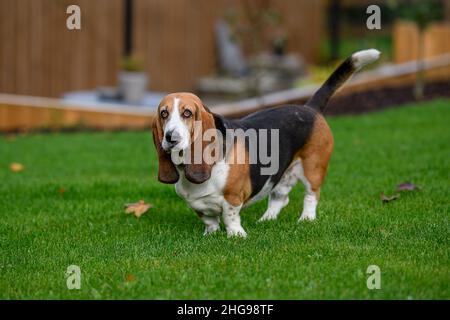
(406, 40)
(40, 56)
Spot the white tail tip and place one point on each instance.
(363, 57)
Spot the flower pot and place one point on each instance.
(132, 86)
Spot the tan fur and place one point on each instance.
(316, 154)
(195, 173)
(166, 169)
(238, 187)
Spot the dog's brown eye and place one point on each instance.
(164, 114)
(187, 113)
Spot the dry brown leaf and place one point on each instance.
(387, 199)
(138, 208)
(130, 278)
(407, 186)
(16, 167)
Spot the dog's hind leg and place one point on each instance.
(312, 195)
(314, 164)
(279, 196)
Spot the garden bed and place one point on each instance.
(370, 100)
(387, 97)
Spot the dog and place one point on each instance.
(218, 186)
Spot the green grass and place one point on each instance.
(43, 232)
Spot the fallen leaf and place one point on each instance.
(61, 190)
(387, 199)
(138, 208)
(407, 186)
(130, 278)
(16, 167)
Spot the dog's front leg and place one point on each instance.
(212, 223)
(232, 220)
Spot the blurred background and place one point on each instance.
(238, 56)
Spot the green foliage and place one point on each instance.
(163, 255)
(132, 64)
(422, 12)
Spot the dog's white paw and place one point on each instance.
(306, 217)
(211, 229)
(274, 209)
(267, 217)
(236, 232)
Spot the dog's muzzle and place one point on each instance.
(171, 140)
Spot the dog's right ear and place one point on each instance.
(167, 173)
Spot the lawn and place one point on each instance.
(163, 255)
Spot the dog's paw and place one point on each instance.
(237, 232)
(267, 217)
(306, 217)
(210, 230)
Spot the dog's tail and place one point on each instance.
(352, 64)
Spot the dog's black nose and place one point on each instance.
(172, 137)
(169, 136)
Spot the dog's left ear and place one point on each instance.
(200, 172)
(167, 173)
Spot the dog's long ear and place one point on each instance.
(167, 173)
(198, 170)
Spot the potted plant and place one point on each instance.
(132, 80)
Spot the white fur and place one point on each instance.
(279, 196)
(232, 220)
(363, 57)
(206, 197)
(178, 127)
(310, 200)
(212, 224)
(309, 207)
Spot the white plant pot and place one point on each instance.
(132, 86)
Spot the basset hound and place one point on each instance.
(215, 184)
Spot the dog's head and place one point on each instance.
(175, 130)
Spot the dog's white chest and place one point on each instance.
(206, 197)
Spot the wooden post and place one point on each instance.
(128, 28)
